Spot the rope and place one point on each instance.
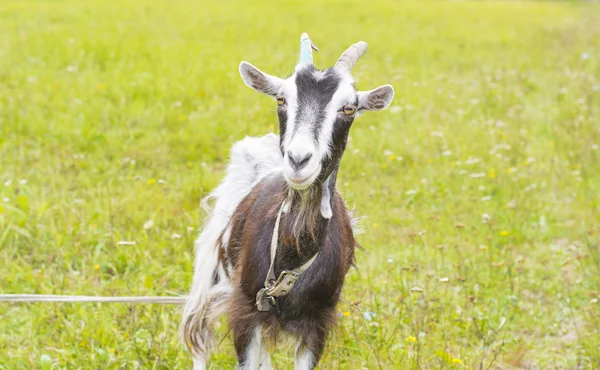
(18, 298)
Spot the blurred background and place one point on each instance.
(478, 188)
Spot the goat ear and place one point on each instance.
(376, 99)
(260, 81)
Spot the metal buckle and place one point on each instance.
(265, 298)
(283, 285)
(264, 301)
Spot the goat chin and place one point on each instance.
(251, 160)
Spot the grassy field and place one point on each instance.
(479, 187)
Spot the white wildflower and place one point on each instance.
(502, 322)
(486, 198)
(444, 280)
(175, 236)
(498, 147)
(543, 224)
(530, 187)
(148, 224)
(125, 242)
(368, 315)
(478, 175)
(472, 160)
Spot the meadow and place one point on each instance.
(478, 189)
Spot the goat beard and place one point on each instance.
(302, 219)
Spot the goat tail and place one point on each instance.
(209, 295)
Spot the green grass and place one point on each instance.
(114, 114)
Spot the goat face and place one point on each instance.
(316, 109)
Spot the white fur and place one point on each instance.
(302, 140)
(290, 91)
(257, 357)
(326, 210)
(303, 358)
(345, 94)
(251, 160)
(301, 146)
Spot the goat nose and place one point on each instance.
(298, 161)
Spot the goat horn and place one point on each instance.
(349, 57)
(306, 48)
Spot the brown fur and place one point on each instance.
(308, 311)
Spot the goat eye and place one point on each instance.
(349, 109)
(280, 100)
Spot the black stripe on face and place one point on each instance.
(314, 94)
(339, 139)
(282, 114)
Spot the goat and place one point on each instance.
(277, 213)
